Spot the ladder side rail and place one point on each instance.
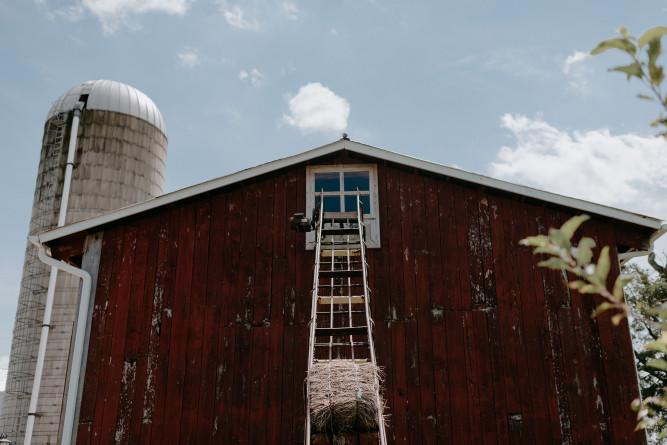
(331, 292)
(313, 318)
(371, 343)
(349, 296)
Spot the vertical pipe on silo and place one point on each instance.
(46, 324)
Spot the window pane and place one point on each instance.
(331, 203)
(351, 204)
(354, 180)
(330, 182)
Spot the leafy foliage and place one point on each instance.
(644, 52)
(647, 296)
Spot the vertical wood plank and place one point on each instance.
(481, 341)
(276, 348)
(473, 242)
(395, 247)
(117, 341)
(526, 262)
(424, 360)
(406, 202)
(265, 223)
(472, 378)
(257, 419)
(163, 301)
(399, 380)
(179, 324)
(224, 386)
(458, 385)
(111, 246)
(195, 331)
(206, 425)
(145, 329)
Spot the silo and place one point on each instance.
(120, 159)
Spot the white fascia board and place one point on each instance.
(584, 206)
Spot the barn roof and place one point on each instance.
(365, 150)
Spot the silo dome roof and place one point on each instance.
(111, 96)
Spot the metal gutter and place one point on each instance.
(584, 206)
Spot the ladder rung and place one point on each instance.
(341, 300)
(343, 273)
(337, 286)
(345, 330)
(325, 245)
(340, 215)
(341, 231)
(337, 263)
(340, 312)
(356, 360)
(347, 343)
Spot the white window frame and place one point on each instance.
(371, 220)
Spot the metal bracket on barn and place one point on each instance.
(344, 383)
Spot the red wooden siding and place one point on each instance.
(199, 332)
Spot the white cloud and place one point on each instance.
(520, 63)
(189, 59)
(577, 56)
(576, 71)
(316, 108)
(291, 10)
(4, 363)
(234, 16)
(114, 13)
(255, 77)
(626, 171)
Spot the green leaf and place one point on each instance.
(604, 264)
(601, 308)
(539, 240)
(571, 225)
(656, 75)
(631, 70)
(616, 319)
(621, 282)
(654, 50)
(624, 32)
(560, 238)
(658, 364)
(553, 263)
(622, 44)
(651, 34)
(584, 251)
(645, 97)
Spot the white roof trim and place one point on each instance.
(356, 147)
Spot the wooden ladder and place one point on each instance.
(341, 326)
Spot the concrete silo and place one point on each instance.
(119, 158)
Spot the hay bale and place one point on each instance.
(342, 397)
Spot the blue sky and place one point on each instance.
(503, 88)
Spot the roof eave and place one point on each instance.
(356, 147)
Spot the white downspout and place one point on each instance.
(79, 340)
(34, 396)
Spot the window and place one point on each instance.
(339, 185)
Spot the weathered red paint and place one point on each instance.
(199, 330)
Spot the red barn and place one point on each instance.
(197, 330)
